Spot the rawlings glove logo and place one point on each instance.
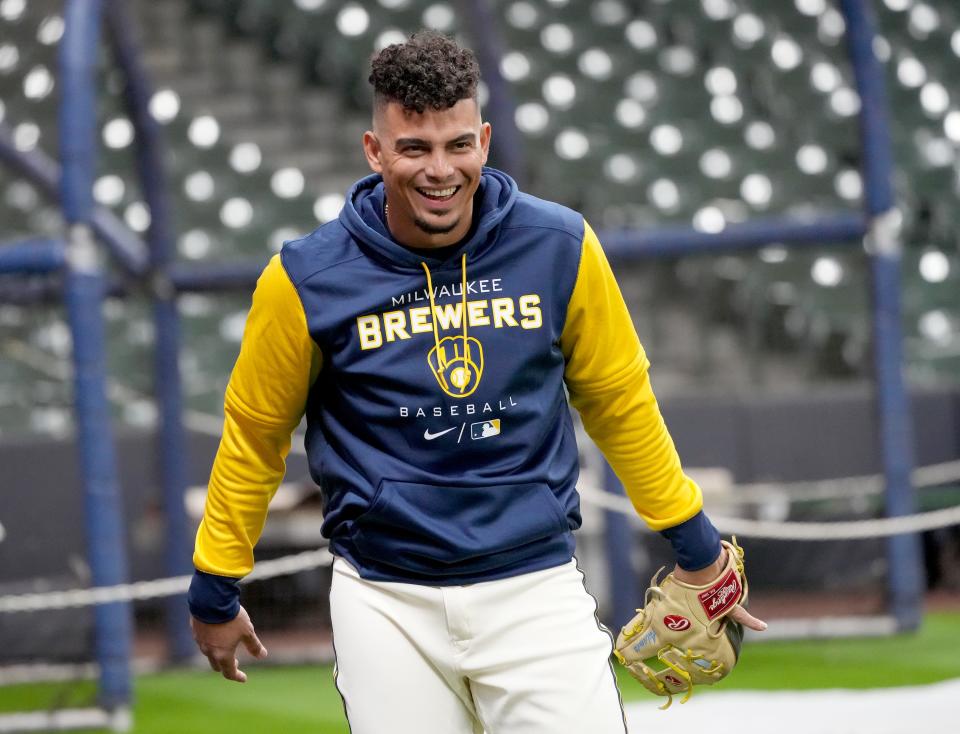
(676, 622)
(721, 597)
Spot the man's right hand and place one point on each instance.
(219, 643)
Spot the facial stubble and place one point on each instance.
(432, 229)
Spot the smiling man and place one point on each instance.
(431, 335)
(431, 162)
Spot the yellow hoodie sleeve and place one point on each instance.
(607, 377)
(265, 400)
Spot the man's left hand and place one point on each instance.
(691, 627)
(219, 643)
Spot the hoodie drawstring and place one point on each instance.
(433, 319)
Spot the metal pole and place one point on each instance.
(45, 173)
(632, 245)
(169, 394)
(507, 143)
(32, 257)
(904, 558)
(84, 296)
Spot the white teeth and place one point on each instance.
(439, 193)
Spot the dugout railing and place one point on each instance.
(79, 257)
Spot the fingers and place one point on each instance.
(218, 643)
(230, 669)
(741, 615)
(222, 661)
(253, 644)
(214, 665)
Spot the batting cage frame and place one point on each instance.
(876, 229)
(92, 231)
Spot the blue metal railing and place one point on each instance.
(873, 227)
(126, 248)
(904, 555)
(84, 290)
(33, 257)
(160, 239)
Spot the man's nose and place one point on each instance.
(439, 167)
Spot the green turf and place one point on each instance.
(928, 656)
(289, 700)
(48, 695)
(304, 700)
(298, 700)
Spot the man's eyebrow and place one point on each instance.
(403, 142)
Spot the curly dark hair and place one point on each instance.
(429, 70)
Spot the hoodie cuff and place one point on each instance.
(213, 599)
(696, 542)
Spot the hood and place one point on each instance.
(362, 216)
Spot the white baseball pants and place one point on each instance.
(523, 655)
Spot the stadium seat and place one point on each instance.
(675, 112)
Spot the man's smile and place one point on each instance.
(441, 195)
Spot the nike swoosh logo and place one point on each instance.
(430, 436)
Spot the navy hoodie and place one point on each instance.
(436, 396)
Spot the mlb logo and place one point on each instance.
(485, 429)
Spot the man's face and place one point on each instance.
(431, 164)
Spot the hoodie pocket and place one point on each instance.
(455, 530)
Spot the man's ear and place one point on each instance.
(485, 132)
(371, 149)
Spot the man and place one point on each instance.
(428, 335)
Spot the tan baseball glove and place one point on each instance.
(683, 637)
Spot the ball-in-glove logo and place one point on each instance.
(676, 622)
(457, 363)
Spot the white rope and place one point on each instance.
(938, 474)
(140, 590)
(119, 719)
(309, 560)
(846, 530)
(306, 561)
(884, 527)
(932, 475)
